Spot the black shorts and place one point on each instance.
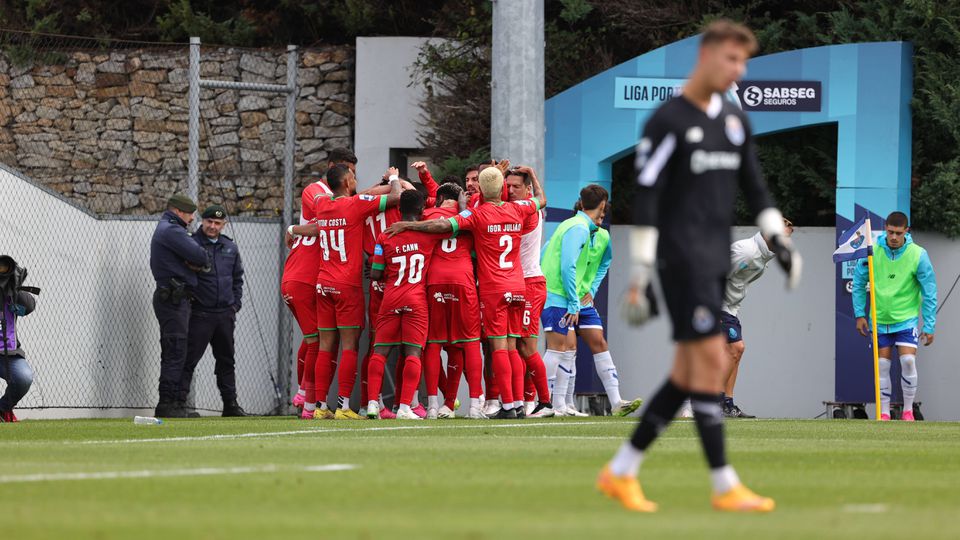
(730, 325)
(693, 302)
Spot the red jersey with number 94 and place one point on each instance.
(497, 228)
(404, 259)
(340, 222)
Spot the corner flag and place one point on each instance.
(857, 243)
(854, 242)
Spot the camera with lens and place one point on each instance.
(12, 277)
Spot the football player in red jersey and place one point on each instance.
(519, 183)
(340, 301)
(454, 324)
(375, 225)
(298, 285)
(402, 261)
(497, 227)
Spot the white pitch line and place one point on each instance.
(166, 473)
(875, 508)
(323, 431)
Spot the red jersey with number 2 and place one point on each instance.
(340, 222)
(497, 229)
(404, 259)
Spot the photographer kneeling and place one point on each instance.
(15, 302)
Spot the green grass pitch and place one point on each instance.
(246, 478)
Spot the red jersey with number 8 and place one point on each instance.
(497, 228)
(452, 259)
(340, 222)
(404, 259)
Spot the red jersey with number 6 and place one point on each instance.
(404, 259)
(497, 228)
(340, 222)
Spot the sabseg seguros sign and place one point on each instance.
(783, 96)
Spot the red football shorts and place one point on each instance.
(339, 306)
(502, 313)
(535, 298)
(454, 314)
(406, 326)
(301, 298)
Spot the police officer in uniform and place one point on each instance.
(175, 259)
(216, 302)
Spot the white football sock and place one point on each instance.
(344, 403)
(572, 387)
(885, 388)
(908, 380)
(474, 403)
(309, 406)
(551, 360)
(566, 367)
(404, 408)
(302, 392)
(627, 460)
(724, 479)
(433, 402)
(608, 376)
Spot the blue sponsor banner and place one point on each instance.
(645, 93)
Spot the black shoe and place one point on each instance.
(505, 414)
(170, 410)
(190, 412)
(733, 411)
(521, 412)
(232, 408)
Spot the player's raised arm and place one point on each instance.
(539, 192)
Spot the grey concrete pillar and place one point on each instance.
(517, 126)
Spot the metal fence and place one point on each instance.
(95, 135)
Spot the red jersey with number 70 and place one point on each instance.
(404, 259)
(340, 222)
(497, 228)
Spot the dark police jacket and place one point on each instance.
(222, 287)
(171, 249)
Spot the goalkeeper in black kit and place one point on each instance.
(695, 152)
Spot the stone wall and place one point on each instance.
(109, 129)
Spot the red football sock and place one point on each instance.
(398, 381)
(518, 369)
(537, 376)
(431, 368)
(309, 372)
(503, 374)
(411, 379)
(374, 376)
(323, 374)
(364, 367)
(473, 365)
(529, 390)
(454, 372)
(347, 375)
(301, 356)
(490, 379)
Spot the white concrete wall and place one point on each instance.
(387, 105)
(788, 368)
(94, 340)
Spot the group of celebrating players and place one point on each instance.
(453, 267)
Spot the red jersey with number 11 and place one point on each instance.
(340, 222)
(497, 228)
(404, 259)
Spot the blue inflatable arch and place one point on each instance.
(863, 88)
